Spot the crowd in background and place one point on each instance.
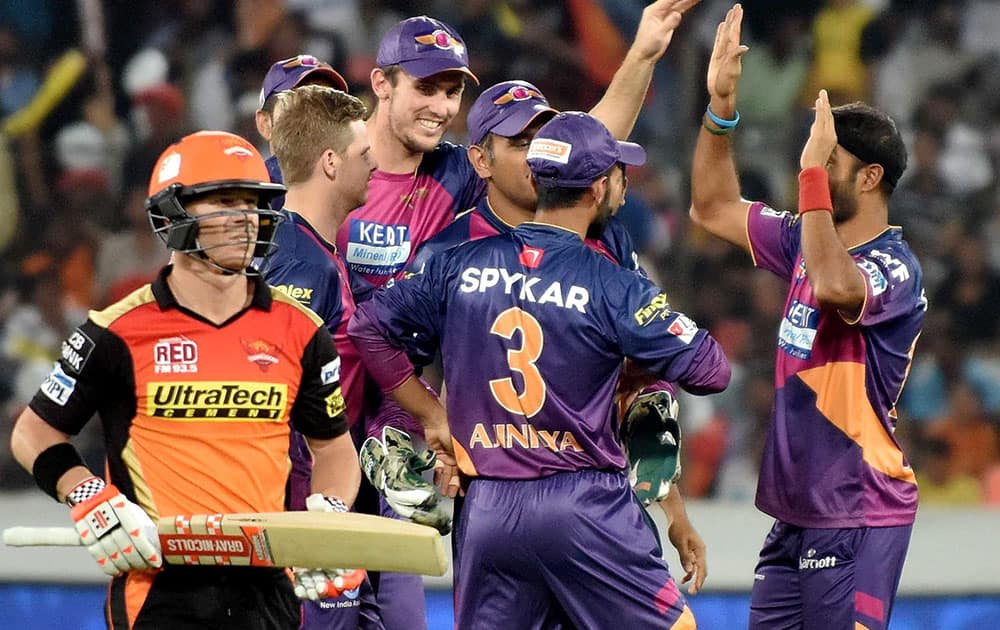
(73, 231)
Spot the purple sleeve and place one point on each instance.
(893, 286)
(387, 365)
(774, 238)
(666, 342)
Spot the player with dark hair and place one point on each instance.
(832, 474)
(502, 122)
(534, 428)
(198, 379)
(421, 185)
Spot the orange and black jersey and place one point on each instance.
(196, 415)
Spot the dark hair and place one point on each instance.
(562, 197)
(871, 136)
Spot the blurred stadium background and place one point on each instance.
(91, 92)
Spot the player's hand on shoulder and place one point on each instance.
(118, 533)
(396, 469)
(318, 584)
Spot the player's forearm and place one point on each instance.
(336, 471)
(31, 437)
(420, 403)
(620, 106)
(714, 180)
(673, 506)
(389, 366)
(835, 279)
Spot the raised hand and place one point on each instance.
(656, 28)
(822, 135)
(725, 66)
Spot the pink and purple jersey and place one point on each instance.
(404, 210)
(831, 459)
(533, 327)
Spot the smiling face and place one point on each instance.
(420, 110)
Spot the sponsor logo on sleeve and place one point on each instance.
(683, 328)
(58, 386)
(76, 350)
(658, 308)
(330, 373)
(335, 404)
(771, 213)
(876, 279)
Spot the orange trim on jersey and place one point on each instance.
(860, 626)
(143, 493)
(278, 296)
(746, 229)
(864, 303)
(841, 397)
(464, 461)
(685, 621)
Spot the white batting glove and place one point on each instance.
(318, 584)
(118, 533)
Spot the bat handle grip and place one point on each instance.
(41, 536)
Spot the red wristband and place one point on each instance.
(814, 190)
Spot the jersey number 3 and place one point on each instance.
(530, 401)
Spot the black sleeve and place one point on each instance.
(318, 411)
(88, 372)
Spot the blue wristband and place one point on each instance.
(722, 122)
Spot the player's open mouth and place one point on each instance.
(430, 125)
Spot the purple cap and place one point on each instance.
(574, 149)
(424, 46)
(288, 73)
(506, 109)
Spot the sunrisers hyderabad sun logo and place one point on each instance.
(261, 352)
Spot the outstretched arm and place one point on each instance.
(835, 278)
(619, 108)
(716, 204)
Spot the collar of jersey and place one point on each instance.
(165, 297)
(301, 221)
(893, 230)
(548, 227)
(491, 216)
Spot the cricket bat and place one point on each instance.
(281, 539)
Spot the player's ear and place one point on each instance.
(329, 161)
(263, 121)
(381, 85)
(870, 177)
(480, 161)
(600, 188)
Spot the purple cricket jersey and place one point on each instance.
(831, 459)
(533, 326)
(404, 210)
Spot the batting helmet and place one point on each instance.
(200, 163)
